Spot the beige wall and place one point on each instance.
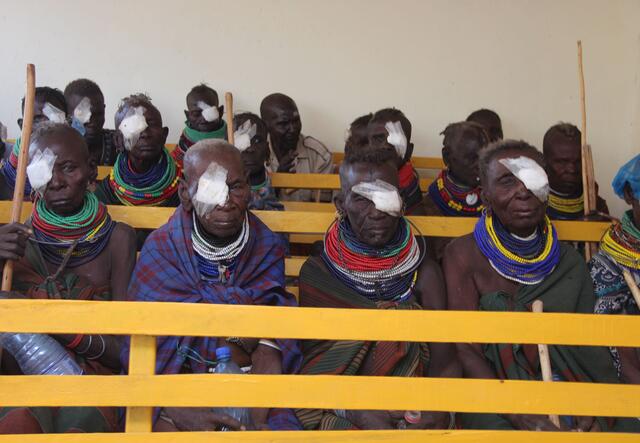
(437, 60)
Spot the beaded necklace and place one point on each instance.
(409, 183)
(526, 261)
(561, 206)
(621, 242)
(454, 199)
(150, 188)
(217, 262)
(86, 233)
(381, 274)
(10, 167)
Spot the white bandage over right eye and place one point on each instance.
(212, 189)
(530, 173)
(244, 134)
(384, 196)
(40, 169)
(132, 125)
(82, 112)
(54, 114)
(209, 113)
(396, 137)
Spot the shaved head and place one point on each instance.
(272, 102)
(280, 113)
(203, 153)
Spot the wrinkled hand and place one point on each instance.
(202, 419)
(396, 137)
(13, 240)
(264, 360)
(371, 419)
(531, 422)
(288, 162)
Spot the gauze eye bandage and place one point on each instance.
(212, 189)
(384, 196)
(530, 173)
(132, 126)
(396, 137)
(243, 136)
(53, 114)
(40, 169)
(82, 112)
(209, 113)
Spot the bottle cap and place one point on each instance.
(223, 353)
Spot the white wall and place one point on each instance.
(437, 60)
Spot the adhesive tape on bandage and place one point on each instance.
(132, 126)
(209, 113)
(530, 173)
(384, 196)
(243, 136)
(40, 169)
(212, 189)
(82, 112)
(53, 114)
(396, 137)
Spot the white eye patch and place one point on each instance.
(396, 137)
(53, 114)
(132, 126)
(243, 136)
(82, 112)
(530, 173)
(209, 113)
(384, 196)
(40, 169)
(212, 189)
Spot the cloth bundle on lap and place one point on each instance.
(319, 288)
(167, 271)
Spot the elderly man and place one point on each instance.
(49, 105)
(456, 190)
(291, 151)
(69, 249)
(213, 250)
(204, 120)
(619, 251)
(372, 259)
(390, 129)
(144, 174)
(563, 157)
(512, 259)
(490, 120)
(85, 106)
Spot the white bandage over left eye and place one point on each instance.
(82, 112)
(53, 114)
(530, 173)
(40, 169)
(384, 196)
(132, 125)
(209, 113)
(212, 189)
(396, 137)
(243, 136)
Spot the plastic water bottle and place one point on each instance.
(226, 366)
(39, 354)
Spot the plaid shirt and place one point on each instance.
(167, 271)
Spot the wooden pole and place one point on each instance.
(633, 287)
(545, 361)
(23, 159)
(228, 99)
(588, 181)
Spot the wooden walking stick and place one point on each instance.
(228, 105)
(545, 361)
(633, 287)
(23, 159)
(588, 181)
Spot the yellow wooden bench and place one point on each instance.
(142, 390)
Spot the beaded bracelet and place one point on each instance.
(75, 342)
(269, 343)
(101, 353)
(87, 348)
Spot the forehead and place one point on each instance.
(231, 162)
(496, 169)
(201, 96)
(95, 98)
(253, 120)
(367, 172)
(64, 145)
(150, 111)
(560, 146)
